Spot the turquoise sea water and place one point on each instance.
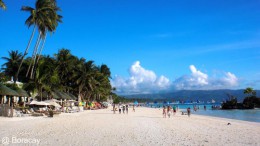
(245, 115)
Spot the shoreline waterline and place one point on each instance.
(251, 115)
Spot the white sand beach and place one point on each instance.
(144, 127)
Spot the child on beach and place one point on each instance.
(164, 112)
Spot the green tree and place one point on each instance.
(84, 77)
(65, 65)
(44, 16)
(249, 91)
(12, 63)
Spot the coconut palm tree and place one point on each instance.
(44, 16)
(105, 70)
(65, 64)
(249, 91)
(2, 5)
(12, 63)
(84, 77)
(50, 25)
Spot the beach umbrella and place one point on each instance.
(39, 103)
(52, 102)
(72, 96)
(54, 95)
(7, 91)
(22, 93)
(62, 95)
(65, 95)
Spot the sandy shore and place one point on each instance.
(143, 127)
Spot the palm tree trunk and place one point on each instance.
(36, 50)
(25, 53)
(79, 98)
(34, 54)
(43, 43)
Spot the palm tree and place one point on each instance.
(65, 64)
(12, 63)
(105, 70)
(250, 91)
(50, 25)
(84, 77)
(45, 18)
(2, 5)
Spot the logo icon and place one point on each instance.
(5, 140)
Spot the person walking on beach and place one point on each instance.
(188, 111)
(174, 109)
(126, 108)
(123, 109)
(169, 111)
(164, 112)
(133, 108)
(114, 108)
(119, 109)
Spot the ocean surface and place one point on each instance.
(245, 115)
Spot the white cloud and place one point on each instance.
(142, 80)
(231, 79)
(199, 80)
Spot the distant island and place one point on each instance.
(193, 95)
(250, 101)
(229, 99)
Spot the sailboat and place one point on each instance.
(213, 101)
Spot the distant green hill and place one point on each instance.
(194, 95)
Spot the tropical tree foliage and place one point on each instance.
(45, 17)
(63, 72)
(12, 63)
(2, 5)
(251, 100)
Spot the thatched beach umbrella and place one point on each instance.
(66, 96)
(54, 95)
(72, 96)
(7, 91)
(22, 93)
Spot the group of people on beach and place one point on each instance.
(122, 108)
(170, 110)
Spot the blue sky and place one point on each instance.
(152, 45)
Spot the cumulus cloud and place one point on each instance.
(142, 80)
(199, 80)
